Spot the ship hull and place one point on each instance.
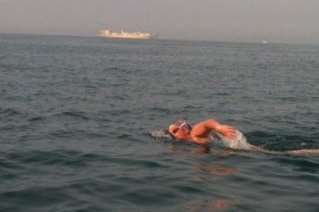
(127, 38)
(125, 35)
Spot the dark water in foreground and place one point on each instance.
(74, 113)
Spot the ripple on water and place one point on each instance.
(301, 164)
(150, 196)
(11, 112)
(73, 113)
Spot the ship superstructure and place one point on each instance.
(125, 35)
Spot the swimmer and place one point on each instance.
(212, 132)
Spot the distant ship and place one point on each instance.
(125, 35)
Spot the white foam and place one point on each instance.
(159, 134)
(240, 142)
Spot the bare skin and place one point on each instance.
(200, 134)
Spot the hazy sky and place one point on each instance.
(223, 20)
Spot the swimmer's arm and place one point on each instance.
(200, 141)
(201, 131)
(226, 130)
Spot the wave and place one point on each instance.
(53, 157)
(282, 141)
(11, 112)
(73, 114)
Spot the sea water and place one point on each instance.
(75, 112)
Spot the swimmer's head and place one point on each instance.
(180, 130)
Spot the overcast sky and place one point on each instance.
(219, 20)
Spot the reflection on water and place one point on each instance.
(216, 169)
(215, 205)
(181, 148)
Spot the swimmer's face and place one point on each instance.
(180, 130)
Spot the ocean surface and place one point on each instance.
(75, 112)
